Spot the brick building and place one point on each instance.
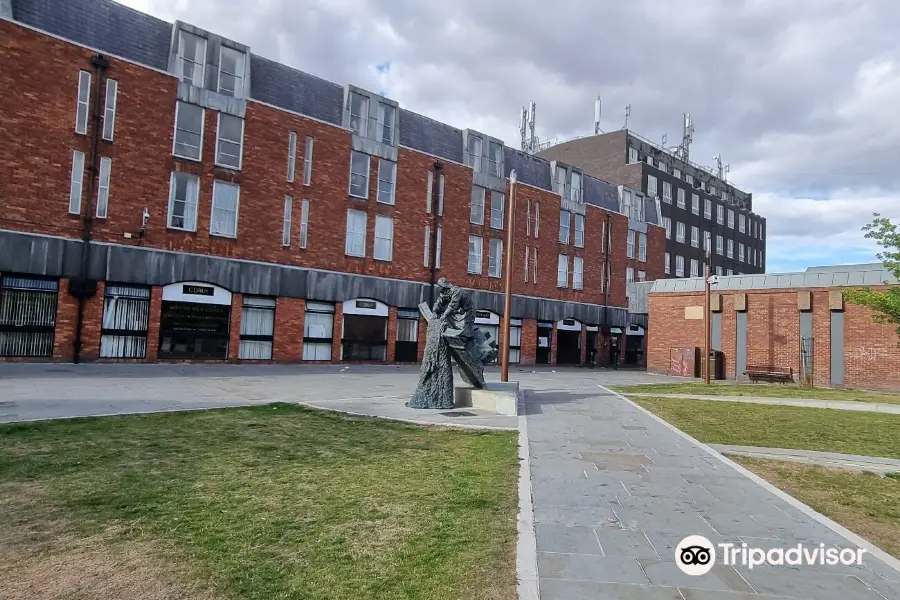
(697, 205)
(795, 320)
(169, 195)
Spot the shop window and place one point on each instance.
(195, 321)
(318, 327)
(126, 316)
(407, 343)
(515, 341)
(257, 328)
(365, 327)
(27, 316)
(489, 323)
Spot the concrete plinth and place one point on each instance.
(500, 398)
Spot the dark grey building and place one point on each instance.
(696, 203)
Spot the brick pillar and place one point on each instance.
(528, 354)
(153, 325)
(234, 328)
(423, 333)
(66, 317)
(583, 340)
(337, 332)
(554, 350)
(93, 322)
(392, 334)
(290, 314)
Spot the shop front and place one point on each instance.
(568, 342)
(365, 328)
(489, 323)
(634, 346)
(195, 321)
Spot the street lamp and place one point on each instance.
(507, 291)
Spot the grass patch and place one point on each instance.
(760, 390)
(864, 503)
(270, 502)
(772, 426)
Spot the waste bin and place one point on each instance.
(716, 363)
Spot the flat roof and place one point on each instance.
(815, 277)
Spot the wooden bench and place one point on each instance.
(770, 373)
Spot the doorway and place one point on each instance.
(568, 342)
(195, 321)
(365, 331)
(634, 346)
(406, 348)
(544, 337)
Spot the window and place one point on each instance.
(695, 237)
(384, 238)
(387, 175)
(437, 258)
(304, 222)
(695, 268)
(562, 271)
(231, 72)
(742, 223)
(575, 188)
(720, 245)
(77, 182)
(476, 211)
(286, 222)
(109, 110)
(386, 123)
(184, 190)
(676, 173)
(741, 252)
(257, 328)
(527, 266)
(515, 340)
(730, 272)
(629, 275)
(730, 219)
(473, 146)
(630, 244)
(707, 208)
(475, 254)
(84, 100)
(681, 196)
(720, 214)
(707, 240)
(356, 233)
(564, 226)
(527, 218)
(191, 58)
(712, 190)
(495, 159)
(188, 131)
(662, 167)
(679, 266)
(441, 195)
(649, 160)
(359, 175)
(719, 271)
(642, 247)
(730, 252)
(318, 325)
(579, 231)
(651, 185)
(667, 192)
(229, 141)
(427, 261)
(695, 204)
(406, 348)
(28, 315)
(359, 113)
(668, 260)
(752, 228)
(642, 275)
(307, 161)
(292, 156)
(632, 155)
(103, 187)
(667, 223)
(689, 178)
(497, 202)
(534, 259)
(495, 258)
(632, 205)
(126, 316)
(577, 273)
(223, 219)
(679, 233)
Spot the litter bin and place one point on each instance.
(716, 363)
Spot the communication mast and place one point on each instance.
(627, 114)
(684, 150)
(597, 108)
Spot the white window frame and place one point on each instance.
(441, 195)
(427, 253)
(695, 236)
(676, 173)
(292, 156)
(352, 217)
(667, 192)
(632, 155)
(577, 273)
(662, 167)
(629, 275)
(695, 204)
(667, 223)
(363, 118)
(719, 271)
(286, 221)
(679, 266)
(651, 179)
(642, 275)
(304, 223)
(495, 257)
(308, 160)
(199, 156)
(220, 139)
(729, 248)
(368, 171)
(695, 268)
(707, 208)
(730, 219)
(76, 183)
(497, 213)
(707, 241)
(386, 233)
(730, 272)
(720, 214)
(537, 218)
(668, 261)
(194, 204)
(476, 256)
(109, 109)
(476, 209)
(742, 223)
(103, 187)
(681, 198)
(83, 102)
(440, 235)
(238, 77)
(689, 178)
(562, 271)
(720, 245)
(629, 249)
(579, 230)
(181, 59)
(237, 204)
(534, 262)
(741, 252)
(679, 232)
(383, 108)
(565, 223)
(642, 247)
(381, 195)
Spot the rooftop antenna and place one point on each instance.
(719, 169)
(597, 109)
(531, 110)
(627, 114)
(686, 138)
(665, 139)
(727, 171)
(523, 126)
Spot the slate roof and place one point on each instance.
(836, 276)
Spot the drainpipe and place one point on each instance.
(83, 287)
(435, 197)
(607, 243)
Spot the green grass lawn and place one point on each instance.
(864, 503)
(762, 390)
(274, 502)
(771, 426)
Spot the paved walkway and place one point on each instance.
(615, 490)
(853, 462)
(805, 402)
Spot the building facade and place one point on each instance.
(697, 205)
(794, 320)
(170, 195)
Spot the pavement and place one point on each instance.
(804, 402)
(834, 460)
(607, 490)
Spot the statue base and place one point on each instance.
(497, 397)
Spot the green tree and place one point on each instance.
(885, 304)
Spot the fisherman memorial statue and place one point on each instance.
(452, 336)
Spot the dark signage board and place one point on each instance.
(367, 304)
(568, 322)
(196, 318)
(198, 290)
(482, 314)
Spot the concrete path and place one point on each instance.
(615, 490)
(805, 402)
(852, 462)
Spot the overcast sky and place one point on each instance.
(801, 97)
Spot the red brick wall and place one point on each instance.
(289, 323)
(92, 324)
(234, 328)
(871, 357)
(66, 317)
